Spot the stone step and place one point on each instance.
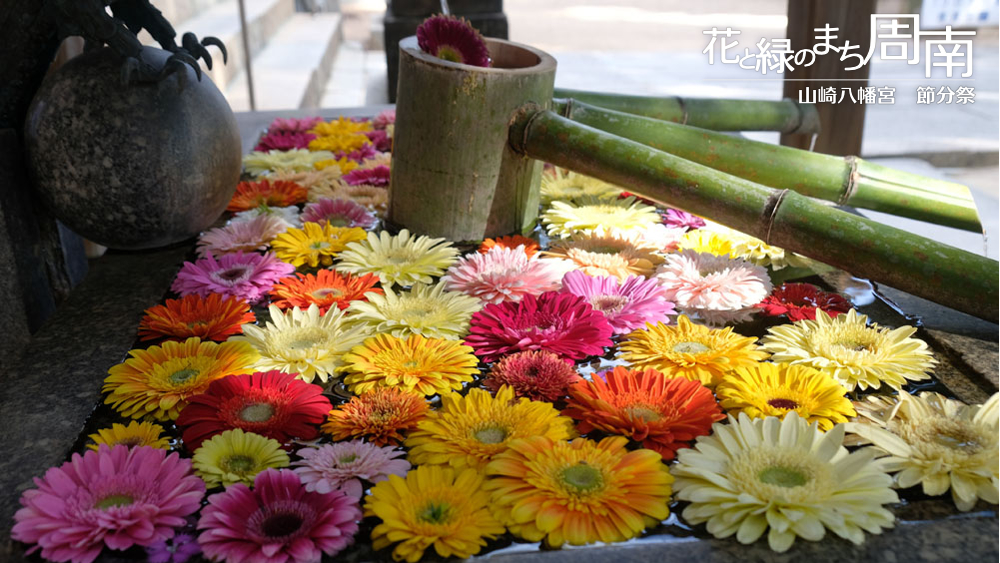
(293, 70)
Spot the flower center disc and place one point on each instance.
(786, 404)
(348, 458)
(130, 441)
(114, 500)
(643, 412)
(326, 291)
(957, 439)
(337, 221)
(239, 463)
(582, 477)
(303, 343)
(281, 524)
(609, 303)
(257, 412)
(232, 274)
(449, 53)
(783, 477)
(434, 512)
(690, 348)
(320, 245)
(180, 376)
(491, 435)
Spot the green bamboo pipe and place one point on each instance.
(716, 114)
(938, 272)
(844, 180)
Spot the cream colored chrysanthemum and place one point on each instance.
(298, 160)
(752, 475)
(855, 354)
(585, 214)
(319, 181)
(303, 341)
(427, 310)
(381, 159)
(402, 259)
(936, 442)
(603, 252)
(564, 185)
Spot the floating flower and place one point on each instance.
(755, 250)
(339, 144)
(288, 216)
(135, 434)
(338, 213)
(177, 549)
(504, 274)
(691, 351)
(799, 301)
(767, 389)
(453, 39)
(283, 141)
(537, 375)
(528, 245)
(664, 414)
(314, 245)
(342, 165)
(432, 506)
(467, 431)
(561, 323)
(382, 416)
(325, 289)
(302, 341)
(340, 467)
(293, 124)
(717, 288)
(602, 253)
(278, 520)
(627, 305)
(424, 365)
(682, 219)
(210, 318)
(243, 236)
(272, 404)
(786, 475)
(402, 259)
(706, 241)
(378, 176)
(858, 356)
(326, 178)
(157, 382)
(362, 153)
(115, 497)
(240, 276)
(384, 118)
(427, 310)
(578, 492)
(264, 192)
(587, 214)
(567, 186)
(341, 127)
(298, 160)
(235, 456)
(380, 139)
(371, 197)
(936, 442)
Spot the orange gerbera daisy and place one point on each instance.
(382, 416)
(215, 317)
(662, 413)
(530, 245)
(325, 289)
(250, 195)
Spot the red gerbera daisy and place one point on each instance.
(251, 195)
(273, 404)
(325, 289)
(530, 245)
(453, 39)
(537, 375)
(378, 176)
(799, 301)
(663, 413)
(562, 323)
(216, 317)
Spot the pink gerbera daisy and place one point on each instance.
(243, 276)
(799, 301)
(116, 497)
(380, 138)
(339, 213)
(504, 274)
(561, 323)
(378, 176)
(294, 125)
(341, 466)
(361, 154)
(453, 39)
(279, 520)
(384, 119)
(718, 289)
(677, 218)
(177, 549)
(284, 141)
(245, 236)
(537, 375)
(628, 305)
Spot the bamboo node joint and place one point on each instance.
(771, 212)
(851, 182)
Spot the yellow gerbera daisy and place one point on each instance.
(402, 259)
(618, 254)
(341, 126)
(426, 365)
(435, 506)
(339, 143)
(157, 381)
(562, 219)
(315, 245)
(302, 341)
(721, 240)
(767, 389)
(855, 354)
(786, 475)
(258, 163)
(705, 240)
(688, 350)
(936, 442)
(342, 165)
(427, 310)
(564, 185)
(578, 492)
(135, 434)
(468, 431)
(235, 456)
